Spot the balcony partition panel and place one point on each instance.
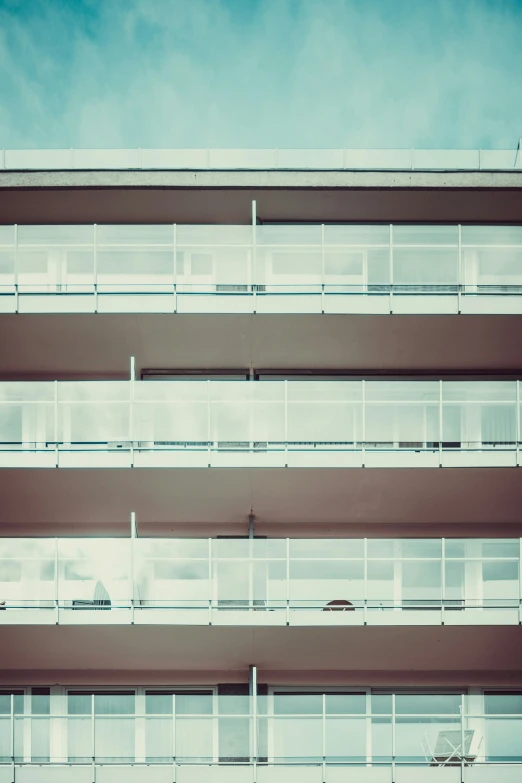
(94, 574)
(491, 259)
(167, 413)
(289, 259)
(214, 259)
(324, 413)
(172, 573)
(93, 412)
(51, 259)
(27, 572)
(425, 258)
(27, 415)
(321, 572)
(479, 414)
(402, 414)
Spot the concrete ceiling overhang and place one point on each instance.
(370, 651)
(306, 502)
(33, 197)
(85, 346)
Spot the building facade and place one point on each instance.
(260, 466)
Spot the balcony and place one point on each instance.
(329, 269)
(265, 582)
(182, 735)
(276, 424)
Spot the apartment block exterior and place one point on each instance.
(260, 466)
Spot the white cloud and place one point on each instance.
(249, 73)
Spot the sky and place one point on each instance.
(260, 73)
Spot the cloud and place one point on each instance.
(260, 73)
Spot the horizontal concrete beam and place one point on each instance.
(260, 179)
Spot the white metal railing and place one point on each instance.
(281, 581)
(262, 730)
(260, 262)
(263, 159)
(266, 417)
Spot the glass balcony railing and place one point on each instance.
(353, 729)
(266, 423)
(267, 268)
(251, 159)
(262, 581)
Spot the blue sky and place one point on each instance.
(260, 73)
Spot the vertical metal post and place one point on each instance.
(175, 265)
(253, 713)
(93, 740)
(286, 422)
(393, 736)
(56, 596)
(520, 580)
(56, 422)
(288, 581)
(209, 433)
(365, 583)
(459, 272)
(210, 581)
(391, 268)
(173, 737)
(443, 579)
(462, 738)
(323, 739)
(518, 423)
(440, 424)
(253, 270)
(95, 267)
(12, 736)
(131, 407)
(363, 433)
(322, 267)
(16, 268)
(131, 564)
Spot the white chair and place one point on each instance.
(452, 748)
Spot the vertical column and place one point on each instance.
(391, 268)
(440, 424)
(210, 581)
(209, 431)
(518, 422)
(520, 580)
(16, 267)
(93, 740)
(131, 407)
(287, 581)
(363, 433)
(252, 688)
(365, 583)
(95, 267)
(459, 271)
(323, 738)
(286, 423)
(175, 265)
(12, 736)
(56, 422)
(132, 576)
(322, 267)
(393, 742)
(443, 579)
(56, 596)
(253, 270)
